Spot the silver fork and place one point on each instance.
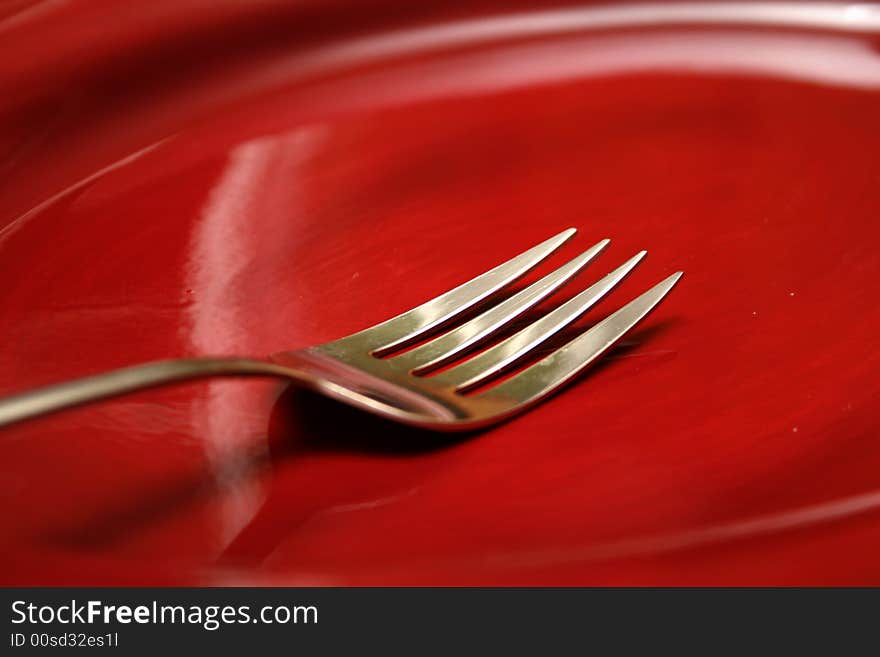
(363, 369)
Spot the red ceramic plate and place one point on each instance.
(196, 177)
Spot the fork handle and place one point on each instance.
(59, 396)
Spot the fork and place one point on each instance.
(371, 370)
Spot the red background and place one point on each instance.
(200, 177)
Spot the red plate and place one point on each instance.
(241, 178)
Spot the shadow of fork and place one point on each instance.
(302, 426)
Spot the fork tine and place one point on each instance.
(562, 365)
(409, 326)
(444, 348)
(492, 361)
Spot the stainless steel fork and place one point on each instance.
(365, 370)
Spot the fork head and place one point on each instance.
(373, 370)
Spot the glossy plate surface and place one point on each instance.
(242, 178)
